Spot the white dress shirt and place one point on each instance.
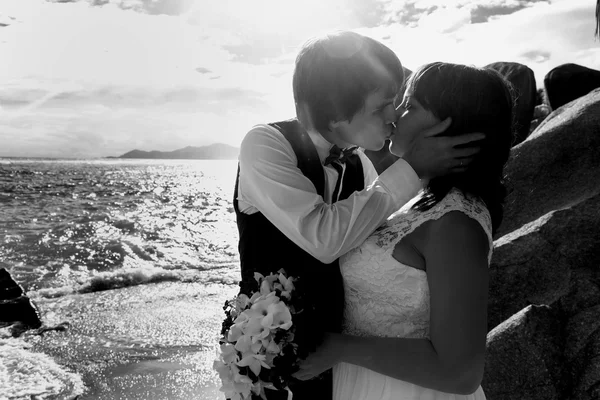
(271, 183)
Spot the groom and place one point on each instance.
(304, 196)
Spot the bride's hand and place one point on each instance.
(325, 357)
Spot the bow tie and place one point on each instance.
(339, 155)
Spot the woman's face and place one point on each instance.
(413, 120)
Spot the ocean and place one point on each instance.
(135, 257)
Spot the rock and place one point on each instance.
(553, 262)
(524, 357)
(15, 306)
(558, 165)
(544, 301)
(568, 82)
(546, 261)
(540, 112)
(522, 79)
(9, 289)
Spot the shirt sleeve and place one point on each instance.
(273, 184)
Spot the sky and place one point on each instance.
(97, 78)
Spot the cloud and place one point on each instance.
(450, 14)
(484, 12)
(101, 77)
(153, 7)
(445, 20)
(67, 64)
(541, 35)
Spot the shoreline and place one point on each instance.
(149, 342)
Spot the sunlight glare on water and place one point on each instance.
(72, 225)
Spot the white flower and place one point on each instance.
(265, 287)
(288, 283)
(235, 331)
(243, 344)
(228, 353)
(242, 302)
(270, 346)
(235, 385)
(258, 276)
(251, 336)
(254, 362)
(223, 370)
(278, 316)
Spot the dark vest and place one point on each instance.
(263, 248)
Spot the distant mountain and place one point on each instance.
(217, 151)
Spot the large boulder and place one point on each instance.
(556, 166)
(547, 253)
(15, 306)
(544, 261)
(522, 79)
(550, 352)
(524, 357)
(568, 82)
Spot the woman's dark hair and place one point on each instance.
(335, 73)
(478, 100)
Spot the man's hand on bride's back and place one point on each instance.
(431, 155)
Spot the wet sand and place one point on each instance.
(150, 342)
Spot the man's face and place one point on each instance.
(414, 119)
(371, 126)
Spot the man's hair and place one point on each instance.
(478, 100)
(335, 73)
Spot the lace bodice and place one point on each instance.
(384, 297)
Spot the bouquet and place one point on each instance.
(257, 348)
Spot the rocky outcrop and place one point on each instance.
(557, 166)
(544, 304)
(535, 264)
(522, 79)
(15, 306)
(568, 82)
(524, 358)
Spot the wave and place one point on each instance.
(142, 275)
(26, 375)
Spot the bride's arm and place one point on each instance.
(452, 360)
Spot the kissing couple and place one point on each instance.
(396, 263)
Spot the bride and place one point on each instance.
(415, 319)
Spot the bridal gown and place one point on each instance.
(389, 299)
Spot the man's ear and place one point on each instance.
(334, 125)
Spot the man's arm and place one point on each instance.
(271, 181)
